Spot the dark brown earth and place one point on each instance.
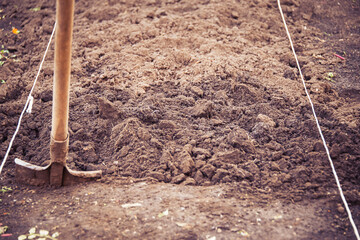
(195, 111)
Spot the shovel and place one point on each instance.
(57, 173)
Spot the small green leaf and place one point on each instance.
(32, 236)
(35, 9)
(244, 233)
(22, 237)
(32, 230)
(5, 189)
(3, 229)
(2, 63)
(43, 232)
(164, 213)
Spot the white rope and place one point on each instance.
(28, 104)
(319, 128)
(31, 102)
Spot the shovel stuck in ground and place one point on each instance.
(57, 173)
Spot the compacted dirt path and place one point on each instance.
(163, 211)
(196, 115)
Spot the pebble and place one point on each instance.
(198, 91)
(340, 208)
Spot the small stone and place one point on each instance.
(199, 177)
(157, 175)
(275, 166)
(226, 179)
(167, 124)
(208, 170)
(340, 208)
(155, 142)
(189, 181)
(166, 157)
(87, 149)
(124, 151)
(143, 134)
(216, 122)
(240, 139)
(192, 142)
(187, 101)
(206, 183)
(171, 166)
(148, 115)
(201, 151)
(188, 148)
(186, 162)
(167, 176)
(241, 173)
(252, 168)
(151, 15)
(219, 175)
(125, 132)
(75, 126)
(182, 57)
(289, 73)
(319, 146)
(179, 178)
(234, 14)
(200, 157)
(259, 130)
(107, 109)
(265, 119)
(336, 150)
(203, 108)
(108, 170)
(199, 164)
(233, 157)
(198, 91)
(307, 16)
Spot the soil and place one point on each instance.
(195, 113)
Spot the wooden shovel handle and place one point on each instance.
(63, 40)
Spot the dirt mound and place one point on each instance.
(200, 101)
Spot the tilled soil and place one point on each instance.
(202, 93)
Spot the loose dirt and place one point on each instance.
(196, 115)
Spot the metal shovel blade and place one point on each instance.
(54, 174)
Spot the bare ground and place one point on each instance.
(195, 113)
